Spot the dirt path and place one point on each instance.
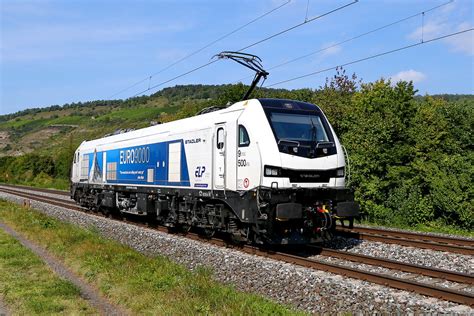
(3, 309)
(87, 292)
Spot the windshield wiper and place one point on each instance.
(325, 144)
(313, 130)
(286, 141)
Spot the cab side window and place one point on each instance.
(220, 138)
(244, 139)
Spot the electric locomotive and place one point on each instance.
(267, 171)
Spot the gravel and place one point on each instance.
(306, 289)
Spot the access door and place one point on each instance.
(219, 156)
(77, 166)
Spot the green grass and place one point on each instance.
(24, 125)
(134, 114)
(29, 287)
(72, 120)
(45, 182)
(140, 284)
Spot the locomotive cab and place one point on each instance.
(299, 171)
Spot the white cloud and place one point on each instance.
(330, 49)
(464, 42)
(453, 17)
(430, 30)
(408, 75)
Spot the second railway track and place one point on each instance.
(433, 242)
(52, 191)
(457, 296)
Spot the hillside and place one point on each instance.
(411, 156)
(42, 130)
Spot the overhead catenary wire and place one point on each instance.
(174, 78)
(298, 25)
(354, 38)
(250, 45)
(202, 48)
(371, 57)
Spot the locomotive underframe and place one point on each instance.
(262, 215)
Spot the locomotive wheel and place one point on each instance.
(207, 232)
(104, 211)
(237, 239)
(184, 228)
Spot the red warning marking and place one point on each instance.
(246, 183)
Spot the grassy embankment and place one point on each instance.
(29, 287)
(129, 279)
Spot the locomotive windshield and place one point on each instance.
(298, 127)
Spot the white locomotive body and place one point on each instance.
(263, 170)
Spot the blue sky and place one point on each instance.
(56, 52)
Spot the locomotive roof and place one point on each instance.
(285, 104)
(171, 127)
(201, 121)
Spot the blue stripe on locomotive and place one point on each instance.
(136, 173)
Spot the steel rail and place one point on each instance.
(45, 199)
(386, 238)
(415, 235)
(396, 265)
(52, 191)
(461, 297)
(382, 279)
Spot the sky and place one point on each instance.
(54, 52)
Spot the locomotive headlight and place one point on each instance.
(340, 172)
(272, 171)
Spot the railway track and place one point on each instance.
(454, 295)
(404, 238)
(433, 242)
(52, 191)
(432, 272)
